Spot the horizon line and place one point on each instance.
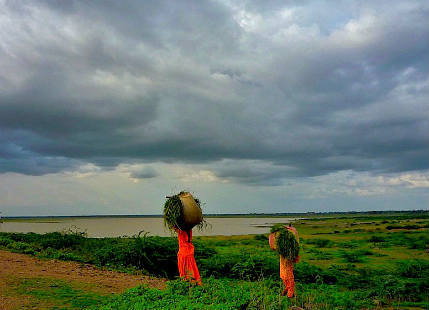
(222, 214)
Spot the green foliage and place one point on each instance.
(154, 255)
(233, 294)
(277, 227)
(59, 293)
(21, 247)
(150, 254)
(319, 255)
(413, 268)
(306, 273)
(4, 241)
(261, 237)
(411, 240)
(376, 239)
(320, 243)
(353, 256)
(215, 294)
(242, 265)
(349, 244)
(407, 227)
(57, 240)
(350, 271)
(172, 212)
(287, 245)
(62, 254)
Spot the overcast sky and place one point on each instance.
(254, 106)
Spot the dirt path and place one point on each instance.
(16, 268)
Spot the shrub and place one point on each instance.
(352, 256)
(57, 240)
(261, 237)
(248, 266)
(307, 273)
(21, 247)
(420, 243)
(376, 239)
(390, 227)
(5, 241)
(319, 255)
(349, 244)
(415, 268)
(321, 243)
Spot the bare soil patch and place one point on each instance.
(16, 267)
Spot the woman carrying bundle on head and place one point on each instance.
(181, 213)
(285, 240)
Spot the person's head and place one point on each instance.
(290, 224)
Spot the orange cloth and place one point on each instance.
(272, 241)
(286, 265)
(185, 257)
(286, 274)
(293, 230)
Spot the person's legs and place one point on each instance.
(193, 270)
(181, 263)
(188, 268)
(290, 282)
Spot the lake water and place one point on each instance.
(129, 226)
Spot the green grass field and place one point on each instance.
(347, 262)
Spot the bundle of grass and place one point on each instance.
(285, 242)
(183, 211)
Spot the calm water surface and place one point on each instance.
(129, 226)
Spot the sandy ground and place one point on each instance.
(15, 267)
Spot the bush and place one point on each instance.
(261, 237)
(5, 241)
(352, 257)
(416, 268)
(390, 227)
(21, 247)
(319, 255)
(65, 255)
(349, 245)
(320, 243)
(155, 255)
(57, 240)
(216, 294)
(248, 266)
(420, 243)
(306, 273)
(376, 239)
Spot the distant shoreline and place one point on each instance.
(303, 214)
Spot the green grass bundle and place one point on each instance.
(172, 212)
(174, 216)
(286, 242)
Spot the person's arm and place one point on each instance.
(272, 241)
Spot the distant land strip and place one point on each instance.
(285, 214)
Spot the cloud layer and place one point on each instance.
(255, 91)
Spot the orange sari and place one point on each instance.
(286, 266)
(185, 257)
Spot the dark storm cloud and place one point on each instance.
(256, 90)
(144, 173)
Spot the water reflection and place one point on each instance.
(129, 226)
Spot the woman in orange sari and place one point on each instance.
(185, 257)
(286, 265)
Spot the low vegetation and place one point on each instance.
(346, 263)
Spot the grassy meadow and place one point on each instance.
(360, 261)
